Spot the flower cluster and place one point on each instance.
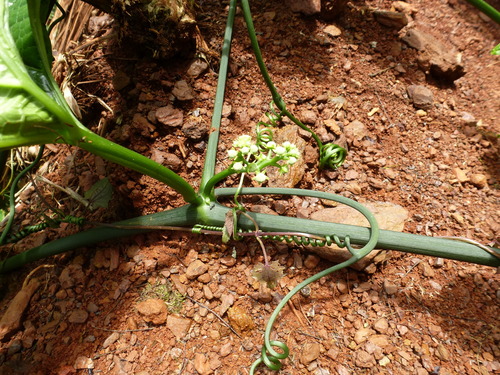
(250, 157)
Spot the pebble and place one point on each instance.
(201, 364)
(153, 310)
(355, 131)
(195, 128)
(182, 91)
(169, 116)
(420, 96)
(460, 174)
(395, 20)
(78, 316)
(82, 363)
(364, 359)
(381, 325)
(309, 117)
(225, 350)
(195, 269)
(110, 340)
(196, 68)
(311, 261)
(240, 320)
(92, 307)
(479, 180)
(390, 288)
(427, 270)
(310, 352)
(179, 326)
(362, 335)
(332, 30)
(458, 218)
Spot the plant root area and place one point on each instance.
(421, 125)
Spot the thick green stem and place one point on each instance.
(487, 9)
(118, 154)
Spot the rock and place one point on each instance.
(381, 325)
(308, 117)
(172, 161)
(182, 91)
(153, 310)
(201, 364)
(311, 261)
(195, 269)
(110, 340)
(355, 131)
(364, 359)
(169, 116)
(389, 216)
(71, 275)
(460, 175)
(179, 326)
(306, 7)
(404, 7)
(468, 119)
(394, 20)
(362, 334)
(195, 128)
(262, 209)
(435, 58)
(333, 31)
(381, 341)
(196, 68)
(227, 301)
(83, 363)
(297, 170)
(120, 80)
(458, 218)
(479, 180)
(390, 288)
(427, 270)
(421, 96)
(310, 352)
(240, 320)
(78, 316)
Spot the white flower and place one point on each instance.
(232, 153)
(260, 177)
(280, 150)
(292, 160)
(238, 166)
(271, 145)
(287, 144)
(245, 150)
(254, 149)
(242, 141)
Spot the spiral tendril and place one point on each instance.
(331, 156)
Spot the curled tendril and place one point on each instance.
(331, 156)
(273, 360)
(273, 116)
(264, 134)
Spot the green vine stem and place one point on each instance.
(487, 9)
(330, 155)
(213, 139)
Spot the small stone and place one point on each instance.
(468, 119)
(479, 180)
(311, 261)
(427, 270)
(207, 292)
(196, 68)
(178, 326)
(307, 8)
(182, 91)
(225, 349)
(332, 30)
(355, 131)
(362, 334)
(390, 288)
(169, 116)
(442, 353)
(172, 161)
(92, 307)
(308, 117)
(381, 325)
(310, 352)
(384, 361)
(83, 363)
(78, 316)
(395, 20)
(364, 359)
(460, 175)
(201, 364)
(110, 340)
(153, 310)
(421, 96)
(438, 262)
(195, 128)
(195, 269)
(240, 320)
(228, 261)
(458, 218)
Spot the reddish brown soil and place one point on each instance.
(413, 315)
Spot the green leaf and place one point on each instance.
(99, 194)
(496, 50)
